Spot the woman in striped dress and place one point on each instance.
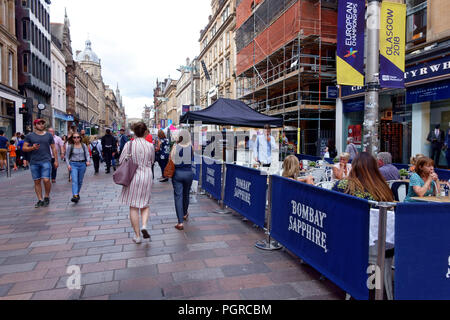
(137, 194)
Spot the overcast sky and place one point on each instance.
(136, 40)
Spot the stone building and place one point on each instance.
(61, 36)
(34, 67)
(218, 54)
(188, 88)
(58, 99)
(10, 100)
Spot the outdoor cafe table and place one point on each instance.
(438, 199)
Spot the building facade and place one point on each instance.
(408, 115)
(218, 53)
(34, 54)
(58, 99)
(90, 62)
(11, 120)
(188, 88)
(61, 36)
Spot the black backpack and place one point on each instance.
(94, 150)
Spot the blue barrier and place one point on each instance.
(212, 177)
(422, 251)
(245, 192)
(196, 167)
(327, 229)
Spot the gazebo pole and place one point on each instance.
(223, 209)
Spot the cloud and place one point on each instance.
(137, 41)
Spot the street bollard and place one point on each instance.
(8, 167)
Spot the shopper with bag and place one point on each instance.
(182, 156)
(77, 158)
(138, 193)
(96, 151)
(162, 153)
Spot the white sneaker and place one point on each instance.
(137, 240)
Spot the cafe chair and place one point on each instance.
(326, 184)
(399, 189)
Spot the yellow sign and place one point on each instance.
(392, 44)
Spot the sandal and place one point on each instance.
(186, 217)
(179, 227)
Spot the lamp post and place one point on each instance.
(370, 142)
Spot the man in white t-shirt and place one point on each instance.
(263, 147)
(59, 145)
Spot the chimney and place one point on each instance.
(77, 52)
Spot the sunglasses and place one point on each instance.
(76, 137)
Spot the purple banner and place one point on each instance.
(350, 41)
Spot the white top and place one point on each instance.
(337, 165)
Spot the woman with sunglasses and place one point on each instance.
(77, 158)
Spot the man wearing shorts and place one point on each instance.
(4, 143)
(38, 143)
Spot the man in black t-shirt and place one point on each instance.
(38, 144)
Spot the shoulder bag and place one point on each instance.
(169, 170)
(125, 173)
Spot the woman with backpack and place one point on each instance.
(96, 151)
(77, 158)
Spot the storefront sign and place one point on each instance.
(332, 92)
(351, 90)
(354, 105)
(392, 45)
(350, 42)
(428, 70)
(428, 92)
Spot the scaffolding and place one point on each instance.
(285, 62)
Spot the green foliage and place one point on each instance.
(403, 172)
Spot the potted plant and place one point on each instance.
(312, 164)
(403, 174)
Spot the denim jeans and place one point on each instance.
(77, 173)
(182, 181)
(41, 170)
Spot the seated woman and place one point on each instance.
(424, 182)
(365, 180)
(291, 170)
(342, 169)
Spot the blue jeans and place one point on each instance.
(182, 181)
(41, 170)
(77, 173)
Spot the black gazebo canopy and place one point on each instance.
(228, 112)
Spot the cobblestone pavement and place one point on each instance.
(213, 258)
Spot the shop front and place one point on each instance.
(10, 118)
(406, 115)
(60, 122)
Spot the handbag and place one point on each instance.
(125, 173)
(169, 170)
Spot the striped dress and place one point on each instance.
(138, 193)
